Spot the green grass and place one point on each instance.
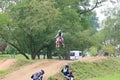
(8, 56)
(87, 70)
(21, 62)
(94, 70)
(4, 56)
(3, 73)
(108, 77)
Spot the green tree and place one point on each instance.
(111, 28)
(32, 26)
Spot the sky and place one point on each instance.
(104, 7)
(100, 11)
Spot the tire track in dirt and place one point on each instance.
(51, 68)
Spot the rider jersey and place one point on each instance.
(65, 71)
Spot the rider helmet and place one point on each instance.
(42, 71)
(67, 65)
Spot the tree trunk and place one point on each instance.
(44, 56)
(38, 56)
(18, 50)
(33, 55)
(67, 56)
(49, 55)
(25, 56)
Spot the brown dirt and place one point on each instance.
(5, 64)
(51, 67)
(92, 59)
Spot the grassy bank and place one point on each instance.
(20, 63)
(101, 70)
(114, 76)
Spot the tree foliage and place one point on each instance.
(30, 25)
(110, 33)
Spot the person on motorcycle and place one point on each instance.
(38, 75)
(65, 70)
(59, 37)
(68, 74)
(42, 72)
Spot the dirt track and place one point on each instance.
(4, 64)
(51, 67)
